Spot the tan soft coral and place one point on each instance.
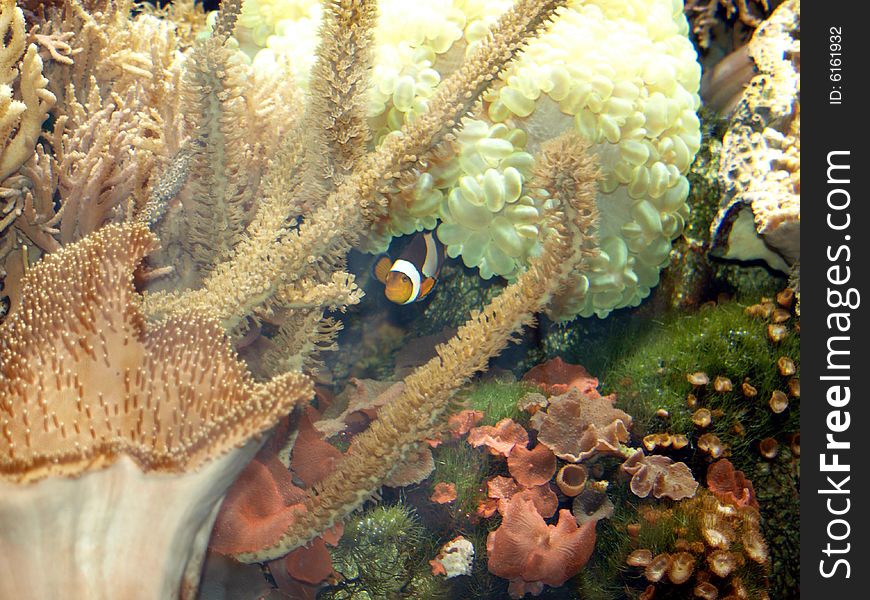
(93, 399)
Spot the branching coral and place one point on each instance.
(114, 123)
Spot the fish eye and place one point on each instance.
(405, 279)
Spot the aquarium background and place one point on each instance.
(460, 299)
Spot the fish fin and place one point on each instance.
(382, 268)
(425, 287)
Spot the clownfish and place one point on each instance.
(412, 276)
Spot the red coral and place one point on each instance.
(730, 485)
(258, 509)
(531, 553)
(532, 467)
(310, 564)
(543, 498)
(444, 493)
(505, 489)
(556, 377)
(299, 573)
(499, 439)
(313, 458)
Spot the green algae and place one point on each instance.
(384, 554)
(719, 340)
(497, 399)
(465, 467)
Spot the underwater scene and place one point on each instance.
(425, 299)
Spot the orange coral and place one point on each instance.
(258, 508)
(531, 467)
(463, 421)
(542, 496)
(556, 377)
(530, 553)
(576, 427)
(501, 438)
(310, 564)
(444, 493)
(313, 458)
(730, 485)
(503, 489)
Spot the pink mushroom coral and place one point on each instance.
(504, 489)
(258, 508)
(531, 467)
(556, 377)
(313, 458)
(730, 485)
(501, 438)
(531, 554)
(576, 427)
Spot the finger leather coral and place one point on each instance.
(100, 474)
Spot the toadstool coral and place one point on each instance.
(119, 438)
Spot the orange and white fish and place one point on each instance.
(412, 276)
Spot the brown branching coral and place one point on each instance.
(114, 123)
